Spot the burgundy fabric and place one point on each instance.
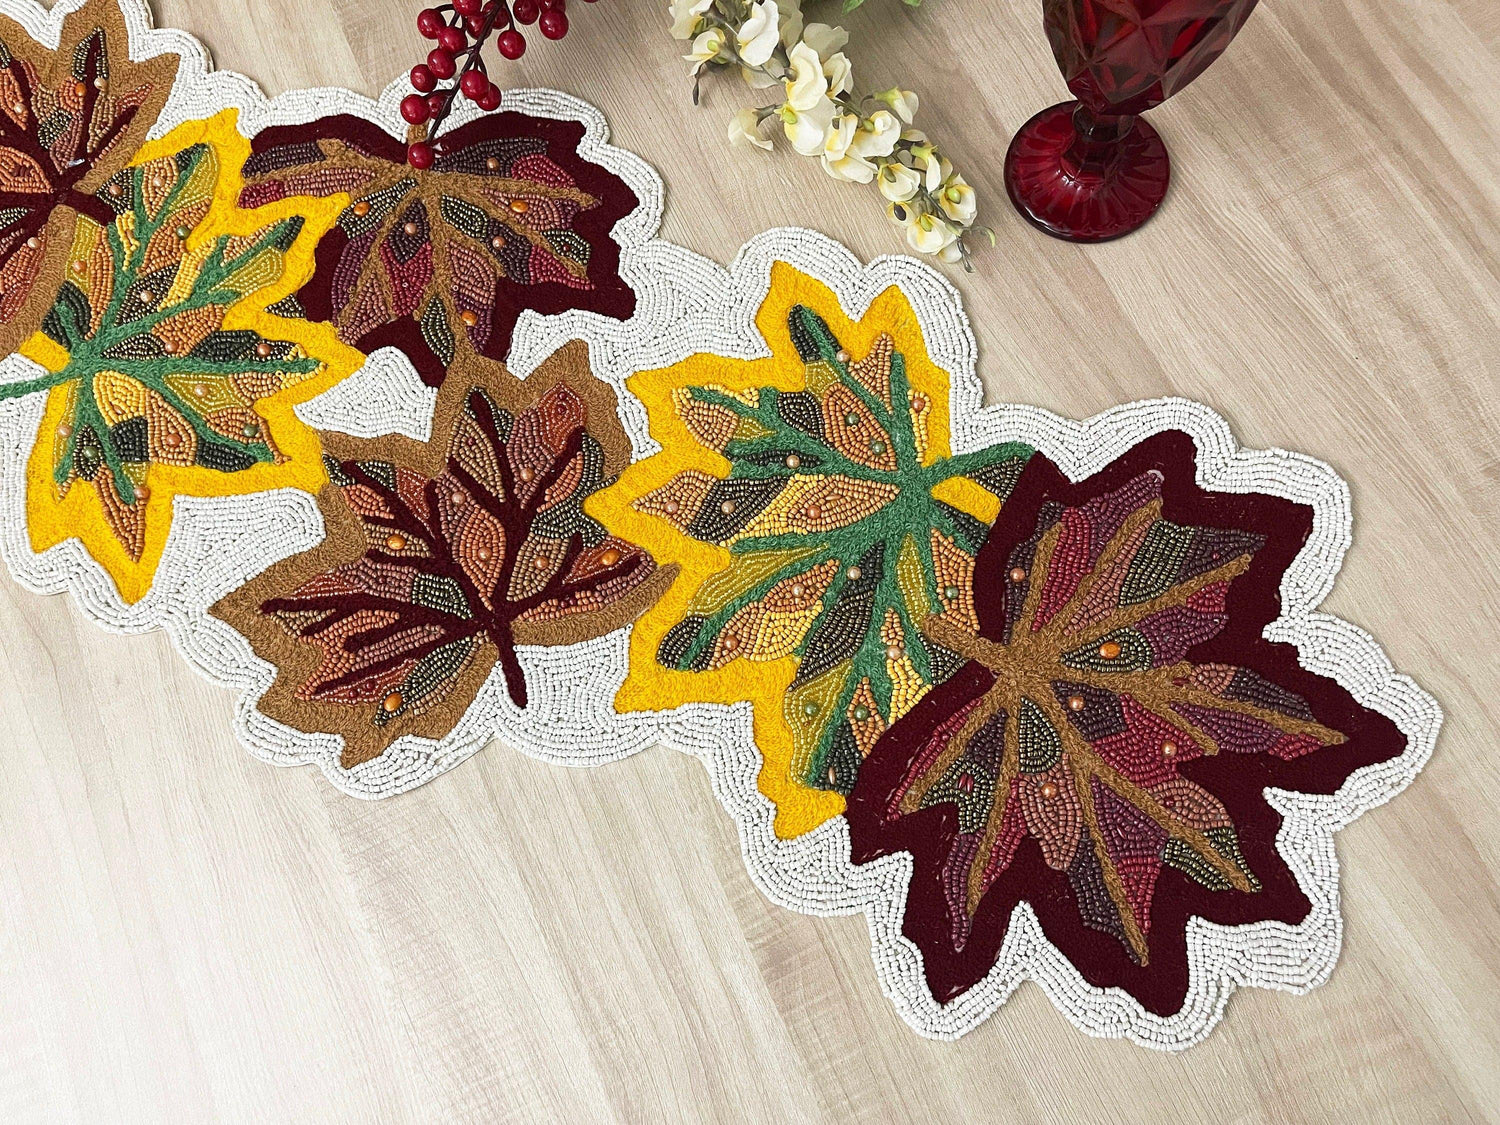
(609, 295)
(1236, 779)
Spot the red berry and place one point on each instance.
(419, 155)
(435, 102)
(554, 5)
(474, 25)
(467, 7)
(474, 84)
(554, 25)
(491, 98)
(414, 108)
(452, 40)
(422, 78)
(429, 23)
(440, 62)
(526, 10)
(511, 44)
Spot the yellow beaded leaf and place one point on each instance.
(165, 373)
(817, 514)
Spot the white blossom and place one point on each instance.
(904, 102)
(806, 84)
(824, 39)
(877, 135)
(806, 128)
(957, 200)
(791, 21)
(898, 183)
(685, 15)
(706, 47)
(928, 234)
(839, 73)
(758, 35)
(744, 129)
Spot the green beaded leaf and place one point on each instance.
(838, 546)
(152, 375)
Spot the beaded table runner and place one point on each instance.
(415, 459)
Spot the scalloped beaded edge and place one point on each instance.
(687, 304)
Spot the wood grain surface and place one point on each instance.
(189, 935)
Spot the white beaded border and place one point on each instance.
(688, 304)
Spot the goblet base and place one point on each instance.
(1092, 200)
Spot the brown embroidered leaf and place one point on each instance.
(442, 557)
(70, 120)
(441, 261)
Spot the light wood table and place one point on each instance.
(187, 934)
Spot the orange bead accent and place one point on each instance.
(1075, 703)
(1168, 749)
(541, 562)
(396, 542)
(1049, 790)
(671, 507)
(527, 472)
(731, 642)
(520, 206)
(262, 349)
(171, 439)
(727, 507)
(409, 228)
(80, 89)
(492, 163)
(469, 317)
(814, 512)
(1110, 650)
(1018, 574)
(362, 207)
(610, 557)
(392, 703)
(484, 554)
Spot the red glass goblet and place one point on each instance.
(1091, 170)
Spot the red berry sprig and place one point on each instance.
(450, 26)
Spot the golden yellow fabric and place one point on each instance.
(648, 686)
(77, 515)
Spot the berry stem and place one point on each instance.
(471, 61)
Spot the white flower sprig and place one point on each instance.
(861, 140)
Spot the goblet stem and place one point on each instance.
(1096, 148)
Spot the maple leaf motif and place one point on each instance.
(152, 376)
(1118, 706)
(838, 544)
(70, 119)
(509, 217)
(441, 559)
